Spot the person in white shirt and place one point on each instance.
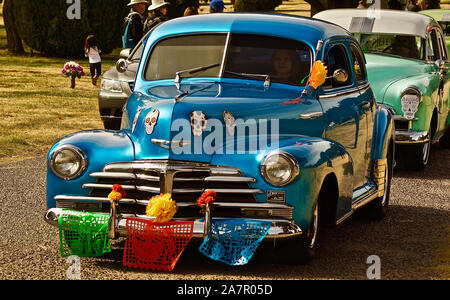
(91, 50)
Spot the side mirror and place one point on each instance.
(340, 75)
(121, 65)
(440, 64)
(125, 53)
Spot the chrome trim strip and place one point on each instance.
(92, 199)
(106, 186)
(228, 179)
(311, 115)
(121, 175)
(339, 94)
(373, 194)
(411, 137)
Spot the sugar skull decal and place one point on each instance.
(150, 121)
(410, 103)
(230, 122)
(198, 122)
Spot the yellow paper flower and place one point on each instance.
(318, 74)
(162, 207)
(115, 196)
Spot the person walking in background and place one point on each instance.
(158, 14)
(216, 6)
(412, 6)
(133, 30)
(362, 4)
(92, 50)
(190, 11)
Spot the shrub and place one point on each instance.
(44, 26)
(255, 5)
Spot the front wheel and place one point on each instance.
(302, 250)
(414, 157)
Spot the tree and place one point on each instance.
(12, 36)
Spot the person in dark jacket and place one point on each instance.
(134, 23)
(158, 14)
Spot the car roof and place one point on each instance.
(379, 21)
(279, 25)
(438, 14)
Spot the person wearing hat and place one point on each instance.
(216, 6)
(158, 14)
(134, 23)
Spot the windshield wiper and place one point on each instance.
(192, 71)
(248, 75)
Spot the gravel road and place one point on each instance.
(413, 241)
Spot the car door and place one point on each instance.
(367, 99)
(345, 118)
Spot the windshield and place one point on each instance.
(248, 56)
(391, 44)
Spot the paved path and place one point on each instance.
(411, 241)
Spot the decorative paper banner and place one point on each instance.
(155, 246)
(83, 234)
(234, 241)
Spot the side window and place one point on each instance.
(442, 46)
(336, 59)
(432, 46)
(358, 64)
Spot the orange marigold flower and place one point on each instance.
(117, 193)
(318, 74)
(207, 198)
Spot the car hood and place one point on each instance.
(128, 75)
(384, 70)
(262, 112)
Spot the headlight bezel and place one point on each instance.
(289, 158)
(108, 85)
(81, 158)
(411, 90)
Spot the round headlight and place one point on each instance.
(279, 168)
(410, 99)
(67, 162)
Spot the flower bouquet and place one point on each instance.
(73, 70)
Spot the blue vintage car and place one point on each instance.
(222, 102)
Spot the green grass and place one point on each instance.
(37, 105)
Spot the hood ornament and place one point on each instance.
(150, 121)
(198, 122)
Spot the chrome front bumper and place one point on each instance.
(280, 229)
(411, 137)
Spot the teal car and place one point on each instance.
(407, 66)
(442, 16)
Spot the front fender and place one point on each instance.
(100, 147)
(316, 157)
(428, 84)
(384, 133)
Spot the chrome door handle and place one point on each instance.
(311, 115)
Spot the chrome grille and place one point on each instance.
(186, 181)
